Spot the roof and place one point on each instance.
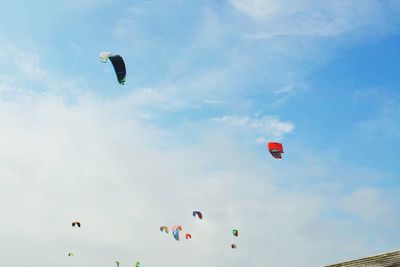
(389, 259)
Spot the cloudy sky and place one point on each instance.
(209, 83)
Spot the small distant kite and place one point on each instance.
(233, 245)
(235, 232)
(198, 213)
(175, 231)
(76, 223)
(70, 254)
(118, 63)
(276, 149)
(164, 229)
(188, 236)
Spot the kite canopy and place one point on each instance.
(233, 245)
(118, 63)
(76, 223)
(175, 231)
(198, 213)
(164, 228)
(70, 254)
(188, 236)
(276, 149)
(235, 232)
(176, 234)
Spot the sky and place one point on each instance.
(209, 83)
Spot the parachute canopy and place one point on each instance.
(164, 228)
(188, 236)
(198, 213)
(233, 245)
(118, 64)
(76, 223)
(235, 232)
(276, 149)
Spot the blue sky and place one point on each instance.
(208, 84)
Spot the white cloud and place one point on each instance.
(23, 69)
(28, 64)
(315, 18)
(215, 59)
(384, 123)
(267, 125)
(123, 180)
(371, 204)
(385, 126)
